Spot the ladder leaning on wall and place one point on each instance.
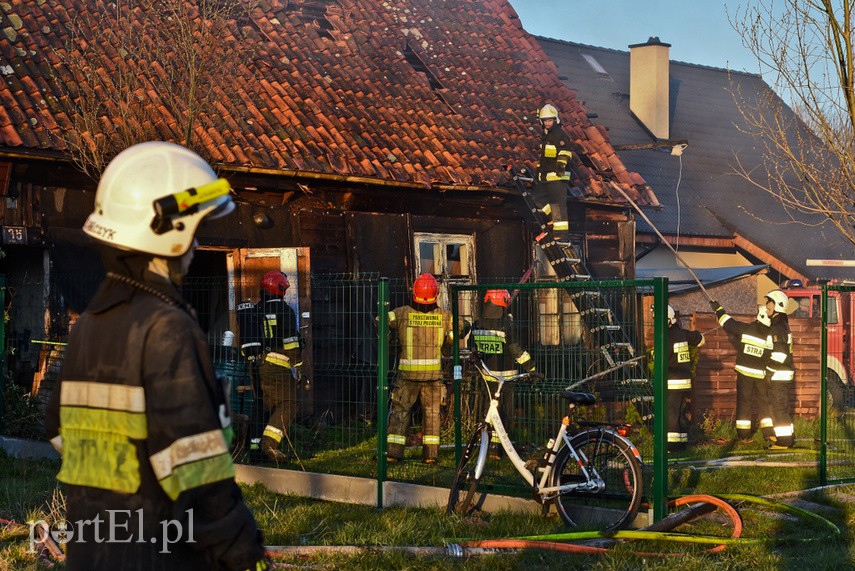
(606, 335)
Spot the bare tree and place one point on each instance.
(139, 70)
(805, 52)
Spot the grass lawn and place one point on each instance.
(772, 538)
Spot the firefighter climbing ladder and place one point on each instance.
(606, 334)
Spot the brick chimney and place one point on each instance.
(648, 86)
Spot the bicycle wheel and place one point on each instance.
(613, 504)
(465, 482)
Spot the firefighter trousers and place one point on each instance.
(752, 401)
(779, 398)
(678, 422)
(551, 197)
(279, 390)
(403, 398)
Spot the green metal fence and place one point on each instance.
(837, 397)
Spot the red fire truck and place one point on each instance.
(840, 336)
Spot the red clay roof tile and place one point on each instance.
(458, 81)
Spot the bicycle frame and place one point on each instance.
(493, 419)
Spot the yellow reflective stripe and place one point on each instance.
(723, 319)
(564, 154)
(677, 384)
(188, 450)
(430, 440)
(199, 473)
(749, 372)
(550, 176)
(396, 439)
(782, 376)
(503, 374)
(392, 316)
(99, 459)
(550, 151)
(756, 341)
(489, 334)
(743, 424)
(677, 437)
(546, 209)
(278, 359)
(561, 225)
(524, 358)
(778, 356)
(766, 422)
(420, 365)
(128, 424)
(786, 430)
(273, 433)
(102, 395)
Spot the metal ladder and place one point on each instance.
(605, 332)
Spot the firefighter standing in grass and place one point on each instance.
(755, 347)
(139, 417)
(423, 329)
(680, 342)
(494, 338)
(281, 368)
(780, 369)
(550, 190)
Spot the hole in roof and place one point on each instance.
(419, 65)
(314, 13)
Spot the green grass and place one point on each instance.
(775, 539)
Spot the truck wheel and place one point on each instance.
(835, 393)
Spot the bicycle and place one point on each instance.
(591, 472)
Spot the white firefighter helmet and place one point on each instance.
(152, 197)
(672, 316)
(762, 316)
(780, 299)
(548, 112)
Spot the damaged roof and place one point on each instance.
(434, 93)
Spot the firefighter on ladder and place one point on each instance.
(755, 347)
(281, 369)
(780, 369)
(494, 338)
(680, 342)
(550, 190)
(423, 329)
(140, 419)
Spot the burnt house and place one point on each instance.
(360, 138)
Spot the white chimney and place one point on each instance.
(648, 86)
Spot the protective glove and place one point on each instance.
(715, 305)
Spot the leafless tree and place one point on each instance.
(805, 52)
(139, 70)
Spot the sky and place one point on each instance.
(698, 30)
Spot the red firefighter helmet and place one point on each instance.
(275, 282)
(499, 297)
(425, 289)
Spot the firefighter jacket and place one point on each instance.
(494, 339)
(422, 335)
(281, 333)
(143, 428)
(679, 357)
(755, 342)
(780, 365)
(555, 153)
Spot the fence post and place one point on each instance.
(660, 398)
(457, 377)
(823, 387)
(382, 383)
(3, 357)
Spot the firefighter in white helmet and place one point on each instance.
(780, 369)
(138, 415)
(680, 343)
(550, 191)
(752, 391)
